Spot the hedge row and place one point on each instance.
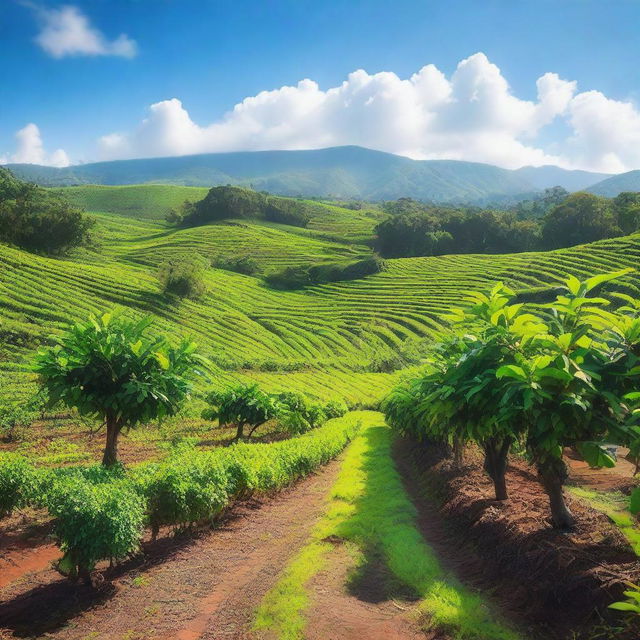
(101, 514)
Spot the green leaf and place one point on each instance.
(573, 284)
(511, 371)
(554, 372)
(625, 606)
(136, 346)
(634, 501)
(596, 455)
(162, 359)
(593, 282)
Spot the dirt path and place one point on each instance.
(345, 610)
(205, 587)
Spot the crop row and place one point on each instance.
(250, 331)
(101, 514)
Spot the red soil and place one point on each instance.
(204, 586)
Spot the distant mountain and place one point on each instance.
(339, 172)
(611, 187)
(551, 176)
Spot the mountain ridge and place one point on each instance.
(347, 172)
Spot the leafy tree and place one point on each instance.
(183, 276)
(626, 207)
(239, 202)
(580, 218)
(565, 378)
(299, 416)
(109, 368)
(39, 220)
(241, 406)
(557, 390)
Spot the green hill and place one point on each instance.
(611, 187)
(550, 176)
(338, 172)
(348, 338)
(138, 201)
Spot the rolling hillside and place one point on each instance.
(550, 176)
(351, 338)
(340, 172)
(611, 187)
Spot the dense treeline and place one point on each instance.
(509, 375)
(38, 220)
(237, 202)
(415, 229)
(307, 275)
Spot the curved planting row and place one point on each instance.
(253, 331)
(101, 513)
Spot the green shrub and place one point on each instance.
(183, 277)
(20, 483)
(241, 264)
(14, 420)
(188, 489)
(335, 409)
(95, 522)
(306, 275)
(289, 212)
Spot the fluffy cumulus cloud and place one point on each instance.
(30, 150)
(67, 32)
(472, 115)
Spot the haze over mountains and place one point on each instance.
(348, 172)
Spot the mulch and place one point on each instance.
(555, 584)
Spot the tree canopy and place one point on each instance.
(38, 220)
(111, 369)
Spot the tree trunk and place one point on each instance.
(110, 456)
(458, 452)
(553, 473)
(496, 452)
(240, 431)
(255, 426)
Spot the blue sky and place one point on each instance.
(212, 55)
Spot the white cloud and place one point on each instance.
(30, 150)
(473, 115)
(606, 133)
(67, 32)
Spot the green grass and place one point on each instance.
(151, 201)
(615, 506)
(369, 509)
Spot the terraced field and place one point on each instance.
(348, 338)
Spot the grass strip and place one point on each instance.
(369, 507)
(615, 506)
